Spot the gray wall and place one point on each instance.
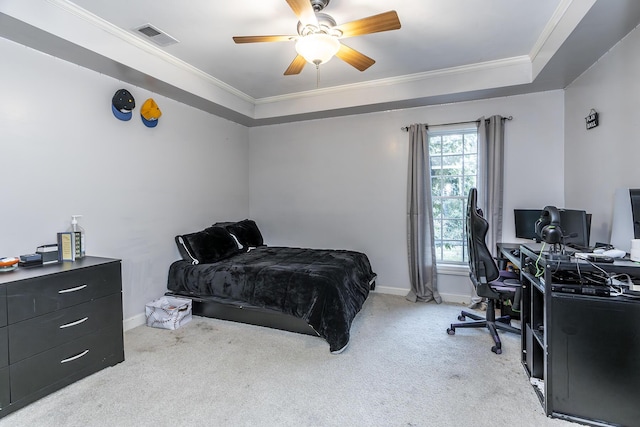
(327, 183)
(63, 152)
(604, 158)
(342, 182)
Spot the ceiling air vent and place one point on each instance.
(155, 35)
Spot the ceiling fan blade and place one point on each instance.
(258, 39)
(296, 66)
(354, 58)
(304, 11)
(373, 24)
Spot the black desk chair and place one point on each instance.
(489, 282)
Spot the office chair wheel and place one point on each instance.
(451, 331)
(461, 318)
(496, 350)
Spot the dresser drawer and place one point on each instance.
(5, 391)
(41, 295)
(41, 333)
(78, 358)
(3, 306)
(4, 347)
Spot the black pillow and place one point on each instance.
(247, 233)
(209, 245)
(225, 224)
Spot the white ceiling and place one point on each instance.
(434, 35)
(445, 51)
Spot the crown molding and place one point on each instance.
(139, 43)
(549, 28)
(562, 24)
(132, 39)
(409, 78)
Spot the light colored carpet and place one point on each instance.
(400, 369)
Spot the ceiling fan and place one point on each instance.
(318, 35)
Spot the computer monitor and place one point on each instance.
(525, 220)
(575, 227)
(626, 218)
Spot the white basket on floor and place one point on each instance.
(168, 312)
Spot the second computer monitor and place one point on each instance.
(525, 221)
(575, 227)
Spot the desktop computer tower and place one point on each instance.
(594, 368)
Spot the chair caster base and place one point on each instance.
(451, 331)
(496, 350)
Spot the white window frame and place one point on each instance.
(452, 130)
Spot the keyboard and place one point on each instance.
(579, 248)
(594, 257)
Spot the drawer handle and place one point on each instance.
(77, 356)
(77, 322)
(77, 288)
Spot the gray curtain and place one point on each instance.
(420, 242)
(490, 189)
(493, 135)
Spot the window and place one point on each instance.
(454, 171)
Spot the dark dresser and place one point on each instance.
(58, 324)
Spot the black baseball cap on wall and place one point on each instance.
(122, 104)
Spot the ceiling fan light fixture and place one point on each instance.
(317, 48)
(318, 36)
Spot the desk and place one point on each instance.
(581, 352)
(505, 252)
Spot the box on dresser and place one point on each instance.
(49, 253)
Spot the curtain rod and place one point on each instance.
(406, 128)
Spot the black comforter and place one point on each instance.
(326, 288)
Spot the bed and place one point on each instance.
(229, 273)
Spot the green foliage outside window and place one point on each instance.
(454, 171)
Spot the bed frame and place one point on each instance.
(258, 316)
(244, 313)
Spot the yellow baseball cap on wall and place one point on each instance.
(150, 113)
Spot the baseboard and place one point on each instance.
(455, 298)
(391, 291)
(132, 322)
(446, 297)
